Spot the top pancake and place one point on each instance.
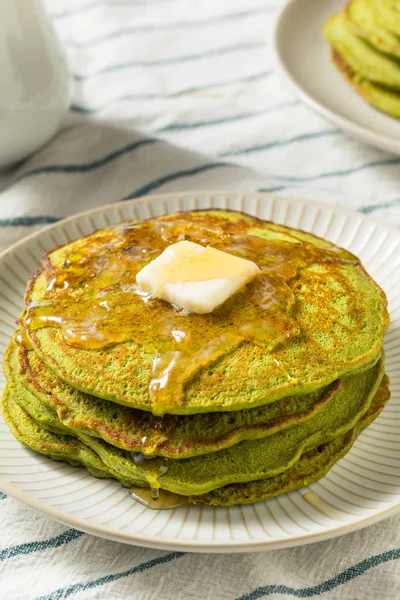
(313, 316)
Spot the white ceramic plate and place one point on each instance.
(304, 58)
(361, 489)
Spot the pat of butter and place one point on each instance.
(195, 277)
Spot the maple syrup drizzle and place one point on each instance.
(22, 339)
(93, 297)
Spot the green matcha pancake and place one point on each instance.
(365, 20)
(312, 316)
(171, 436)
(365, 61)
(380, 97)
(57, 445)
(389, 14)
(243, 462)
(311, 466)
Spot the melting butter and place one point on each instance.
(194, 277)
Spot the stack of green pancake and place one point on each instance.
(261, 417)
(365, 40)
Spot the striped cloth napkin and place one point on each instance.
(174, 95)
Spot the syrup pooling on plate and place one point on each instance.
(162, 500)
(91, 294)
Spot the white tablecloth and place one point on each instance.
(174, 95)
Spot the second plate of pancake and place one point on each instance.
(304, 57)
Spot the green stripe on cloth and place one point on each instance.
(267, 146)
(94, 164)
(28, 221)
(228, 119)
(270, 190)
(81, 587)
(170, 61)
(317, 590)
(342, 172)
(372, 207)
(149, 28)
(55, 542)
(160, 181)
(183, 92)
(109, 4)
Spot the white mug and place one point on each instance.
(34, 95)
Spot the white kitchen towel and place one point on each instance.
(172, 95)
